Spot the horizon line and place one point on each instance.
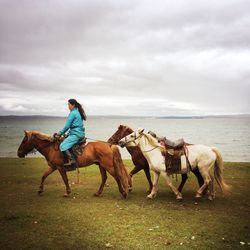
(138, 116)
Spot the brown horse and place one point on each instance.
(104, 154)
(140, 161)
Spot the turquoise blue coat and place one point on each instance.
(76, 129)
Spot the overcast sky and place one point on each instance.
(125, 57)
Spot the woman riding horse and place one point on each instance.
(76, 133)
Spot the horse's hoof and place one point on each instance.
(198, 196)
(40, 192)
(124, 195)
(179, 198)
(66, 195)
(151, 197)
(97, 194)
(210, 198)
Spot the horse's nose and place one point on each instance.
(20, 154)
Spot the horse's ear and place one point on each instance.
(140, 130)
(120, 127)
(28, 134)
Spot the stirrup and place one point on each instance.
(69, 163)
(70, 167)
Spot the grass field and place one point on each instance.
(29, 221)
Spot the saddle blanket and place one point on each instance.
(177, 165)
(78, 149)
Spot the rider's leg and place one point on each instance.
(65, 149)
(70, 158)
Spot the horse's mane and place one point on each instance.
(127, 128)
(153, 141)
(40, 135)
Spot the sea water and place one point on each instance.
(230, 135)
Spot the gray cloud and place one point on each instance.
(125, 57)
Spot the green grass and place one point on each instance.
(29, 221)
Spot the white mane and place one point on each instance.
(153, 141)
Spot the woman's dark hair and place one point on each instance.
(80, 108)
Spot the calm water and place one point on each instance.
(230, 135)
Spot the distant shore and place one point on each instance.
(133, 117)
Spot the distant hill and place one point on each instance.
(132, 117)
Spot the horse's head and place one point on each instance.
(132, 139)
(26, 145)
(121, 132)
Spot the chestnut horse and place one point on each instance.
(107, 156)
(140, 161)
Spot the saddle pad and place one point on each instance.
(184, 165)
(177, 165)
(78, 149)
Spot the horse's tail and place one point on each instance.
(218, 171)
(120, 170)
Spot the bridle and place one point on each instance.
(126, 141)
(123, 131)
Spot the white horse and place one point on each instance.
(199, 156)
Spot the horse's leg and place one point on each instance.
(147, 173)
(211, 194)
(198, 176)
(200, 179)
(170, 184)
(204, 170)
(45, 175)
(130, 183)
(184, 178)
(134, 171)
(105, 162)
(65, 180)
(104, 178)
(155, 184)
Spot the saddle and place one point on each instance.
(176, 161)
(175, 155)
(168, 143)
(77, 149)
(178, 144)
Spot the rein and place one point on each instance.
(48, 144)
(126, 141)
(34, 150)
(150, 149)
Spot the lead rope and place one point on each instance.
(77, 174)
